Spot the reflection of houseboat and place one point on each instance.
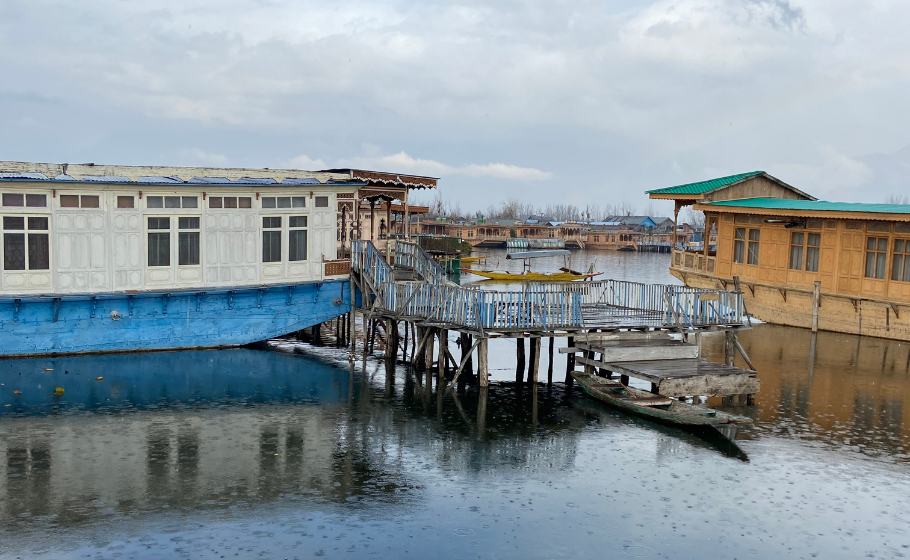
(800, 260)
(110, 258)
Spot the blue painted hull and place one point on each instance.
(120, 322)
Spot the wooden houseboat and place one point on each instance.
(835, 266)
(116, 258)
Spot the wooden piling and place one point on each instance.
(428, 351)
(391, 346)
(816, 302)
(443, 347)
(404, 351)
(535, 360)
(729, 347)
(520, 359)
(352, 318)
(570, 364)
(550, 364)
(483, 376)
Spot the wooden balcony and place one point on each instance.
(692, 261)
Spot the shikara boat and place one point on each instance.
(469, 260)
(565, 274)
(529, 276)
(654, 407)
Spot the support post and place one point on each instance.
(428, 354)
(443, 343)
(535, 360)
(483, 376)
(729, 347)
(352, 325)
(816, 300)
(570, 364)
(520, 359)
(550, 363)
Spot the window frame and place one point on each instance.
(877, 267)
(79, 199)
(27, 235)
(739, 245)
(263, 229)
(753, 247)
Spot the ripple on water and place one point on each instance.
(636, 551)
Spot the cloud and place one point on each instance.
(831, 173)
(197, 157)
(305, 162)
(612, 98)
(404, 163)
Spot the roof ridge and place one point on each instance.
(707, 185)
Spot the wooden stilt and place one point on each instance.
(550, 364)
(535, 360)
(483, 376)
(404, 351)
(443, 348)
(816, 302)
(352, 316)
(428, 351)
(570, 364)
(520, 360)
(729, 347)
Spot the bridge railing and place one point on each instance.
(679, 305)
(411, 255)
(537, 305)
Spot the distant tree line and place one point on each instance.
(515, 209)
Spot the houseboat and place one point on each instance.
(99, 258)
(835, 266)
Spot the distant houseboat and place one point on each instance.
(115, 258)
(842, 267)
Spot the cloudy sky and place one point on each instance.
(567, 101)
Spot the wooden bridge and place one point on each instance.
(404, 286)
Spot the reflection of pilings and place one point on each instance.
(482, 395)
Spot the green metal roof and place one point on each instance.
(812, 205)
(705, 186)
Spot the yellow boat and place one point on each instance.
(469, 260)
(530, 276)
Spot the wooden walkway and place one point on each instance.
(673, 368)
(405, 287)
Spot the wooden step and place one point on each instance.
(643, 350)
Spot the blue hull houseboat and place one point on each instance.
(115, 258)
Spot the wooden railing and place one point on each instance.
(690, 260)
(677, 304)
(538, 305)
(412, 256)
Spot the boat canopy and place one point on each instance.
(535, 254)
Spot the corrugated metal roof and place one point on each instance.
(163, 180)
(106, 178)
(206, 180)
(300, 181)
(23, 175)
(158, 179)
(813, 205)
(705, 186)
(257, 180)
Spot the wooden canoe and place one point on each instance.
(469, 260)
(655, 407)
(530, 276)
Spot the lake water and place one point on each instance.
(293, 453)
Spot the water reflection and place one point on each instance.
(839, 390)
(222, 429)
